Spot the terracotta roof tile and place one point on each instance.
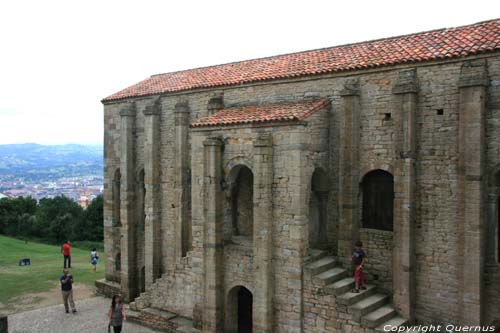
(424, 46)
(262, 114)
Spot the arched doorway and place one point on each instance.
(239, 313)
(318, 210)
(378, 200)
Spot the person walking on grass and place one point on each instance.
(116, 314)
(94, 256)
(358, 260)
(66, 252)
(67, 290)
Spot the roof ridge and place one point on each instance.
(328, 47)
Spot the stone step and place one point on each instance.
(391, 323)
(367, 305)
(377, 317)
(314, 254)
(330, 276)
(321, 265)
(350, 298)
(340, 287)
(187, 329)
(184, 325)
(166, 315)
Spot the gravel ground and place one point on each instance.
(91, 317)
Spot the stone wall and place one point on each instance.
(378, 245)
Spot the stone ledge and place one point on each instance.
(161, 320)
(107, 288)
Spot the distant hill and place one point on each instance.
(33, 161)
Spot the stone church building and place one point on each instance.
(234, 193)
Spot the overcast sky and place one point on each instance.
(58, 59)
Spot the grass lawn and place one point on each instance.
(45, 270)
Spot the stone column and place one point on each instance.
(471, 132)
(152, 184)
(182, 226)
(296, 219)
(349, 169)
(262, 235)
(127, 212)
(405, 107)
(213, 238)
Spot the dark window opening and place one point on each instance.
(242, 204)
(498, 230)
(143, 279)
(318, 209)
(115, 192)
(378, 200)
(439, 112)
(387, 116)
(118, 262)
(245, 302)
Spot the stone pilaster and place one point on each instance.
(127, 196)
(405, 106)
(471, 139)
(213, 238)
(183, 225)
(349, 169)
(263, 219)
(152, 185)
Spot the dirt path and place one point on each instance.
(90, 318)
(44, 299)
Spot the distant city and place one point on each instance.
(41, 171)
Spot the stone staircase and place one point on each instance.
(161, 320)
(369, 308)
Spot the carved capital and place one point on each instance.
(473, 73)
(351, 88)
(181, 107)
(128, 110)
(154, 109)
(406, 82)
(263, 140)
(213, 141)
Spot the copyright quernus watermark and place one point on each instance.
(438, 328)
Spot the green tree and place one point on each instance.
(93, 220)
(56, 219)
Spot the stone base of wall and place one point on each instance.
(107, 288)
(4, 324)
(161, 320)
(492, 295)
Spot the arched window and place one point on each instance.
(116, 198)
(118, 262)
(378, 200)
(242, 202)
(141, 200)
(318, 209)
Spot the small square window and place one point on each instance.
(439, 112)
(387, 116)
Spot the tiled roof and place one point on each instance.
(262, 114)
(437, 44)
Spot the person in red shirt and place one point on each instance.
(65, 250)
